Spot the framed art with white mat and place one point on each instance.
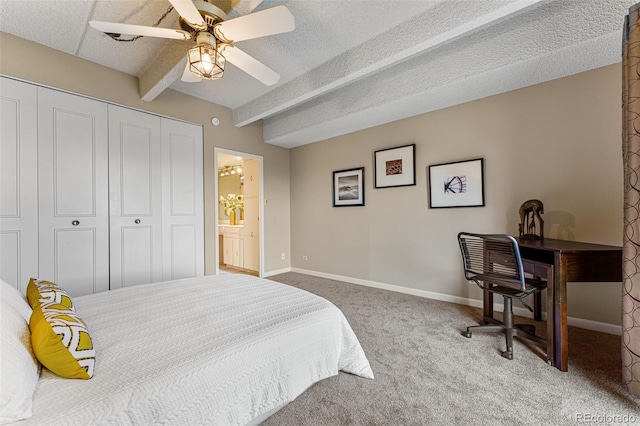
(395, 166)
(456, 184)
(348, 187)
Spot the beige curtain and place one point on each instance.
(631, 162)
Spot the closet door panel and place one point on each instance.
(137, 167)
(10, 256)
(184, 251)
(182, 200)
(73, 192)
(137, 262)
(18, 183)
(136, 197)
(10, 157)
(182, 190)
(74, 251)
(74, 164)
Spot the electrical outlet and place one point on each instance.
(305, 257)
(283, 256)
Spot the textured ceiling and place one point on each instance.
(348, 65)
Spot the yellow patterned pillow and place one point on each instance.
(61, 341)
(41, 289)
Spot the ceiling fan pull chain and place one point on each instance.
(116, 37)
(163, 16)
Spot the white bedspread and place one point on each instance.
(212, 350)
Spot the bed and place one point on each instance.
(225, 349)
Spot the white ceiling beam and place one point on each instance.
(168, 67)
(413, 34)
(170, 63)
(324, 118)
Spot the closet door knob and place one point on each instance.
(137, 221)
(75, 223)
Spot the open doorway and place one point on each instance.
(238, 225)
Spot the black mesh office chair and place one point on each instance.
(494, 260)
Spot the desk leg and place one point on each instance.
(537, 306)
(551, 355)
(561, 329)
(487, 305)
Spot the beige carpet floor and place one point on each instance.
(427, 373)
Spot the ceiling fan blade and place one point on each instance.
(189, 13)
(117, 28)
(188, 76)
(259, 24)
(250, 65)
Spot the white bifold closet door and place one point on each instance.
(156, 204)
(18, 183)
(182, 200)
(135, 197)
(73, 192)
(95, 196)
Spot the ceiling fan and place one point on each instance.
(214, 36)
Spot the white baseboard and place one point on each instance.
(276, 272)
(595, 325)
(574, 322)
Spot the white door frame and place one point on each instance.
(217, 151)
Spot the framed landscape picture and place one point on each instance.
(457, 184)
(348, 187)
(395, 166)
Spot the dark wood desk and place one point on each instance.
(561, 261)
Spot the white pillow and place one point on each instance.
(11, 296)
(19, 369)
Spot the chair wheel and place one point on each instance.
(508, 355)
(467, 334)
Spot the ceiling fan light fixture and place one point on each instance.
(205, 60)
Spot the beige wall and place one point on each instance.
(36, 63)
(558, 141)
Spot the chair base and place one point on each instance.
(510, 330)
(525, 331)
